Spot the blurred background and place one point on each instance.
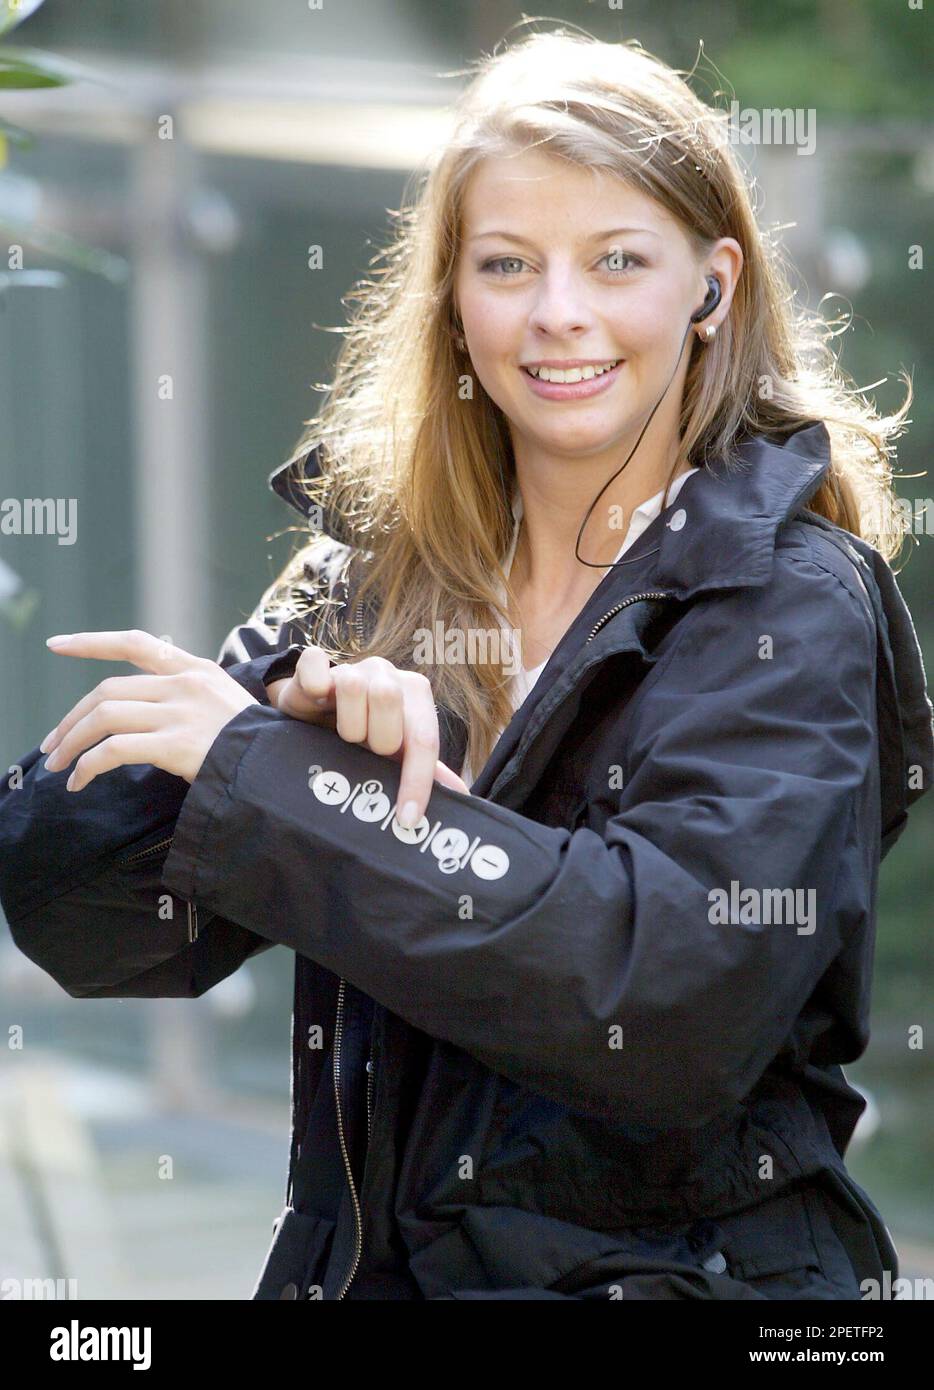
(166, 169)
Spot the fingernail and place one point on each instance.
(408, 816)
(70, 784)
(321, 701)
(58, 641)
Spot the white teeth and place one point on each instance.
(572, 373)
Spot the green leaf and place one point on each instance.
(22, 56)
(13, 12)
(21, 75)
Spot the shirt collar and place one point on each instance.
(649, 508)
(642, 516)
(646, 512)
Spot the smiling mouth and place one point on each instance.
(570, 375)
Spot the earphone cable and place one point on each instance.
(612, 565)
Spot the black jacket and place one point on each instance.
(580, 1034)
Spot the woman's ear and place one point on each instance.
(726, 262)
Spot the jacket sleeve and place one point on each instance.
(80, 873)
(594, 968)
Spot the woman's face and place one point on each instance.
(560, 264)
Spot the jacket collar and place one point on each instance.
(721, 534)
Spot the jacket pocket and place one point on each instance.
(786, 1247)
(497, 1248)
(652, 1263)
(296, 1258)
(770, 1238)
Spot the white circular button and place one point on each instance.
(413, 836)
(489, 861)
(678, 520)
(448, 846)
(331, 787)
(372, 803)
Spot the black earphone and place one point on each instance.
(714, 295)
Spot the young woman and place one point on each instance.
(563, 757)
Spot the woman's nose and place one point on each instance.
(560, 309)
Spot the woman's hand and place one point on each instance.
(373, 703)
(168, 718)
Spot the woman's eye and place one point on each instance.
(502, 260)
(616, 259)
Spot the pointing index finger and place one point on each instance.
(420, 754)
(142, 649)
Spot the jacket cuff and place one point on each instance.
(282, 665)
(189, 853)
(255, 674)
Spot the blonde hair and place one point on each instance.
(421, 476)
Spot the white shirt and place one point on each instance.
(642, 517)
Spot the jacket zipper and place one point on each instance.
(358, 1220)
(152, 849)
(633, 598)
(611, 613)
(192, 907)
